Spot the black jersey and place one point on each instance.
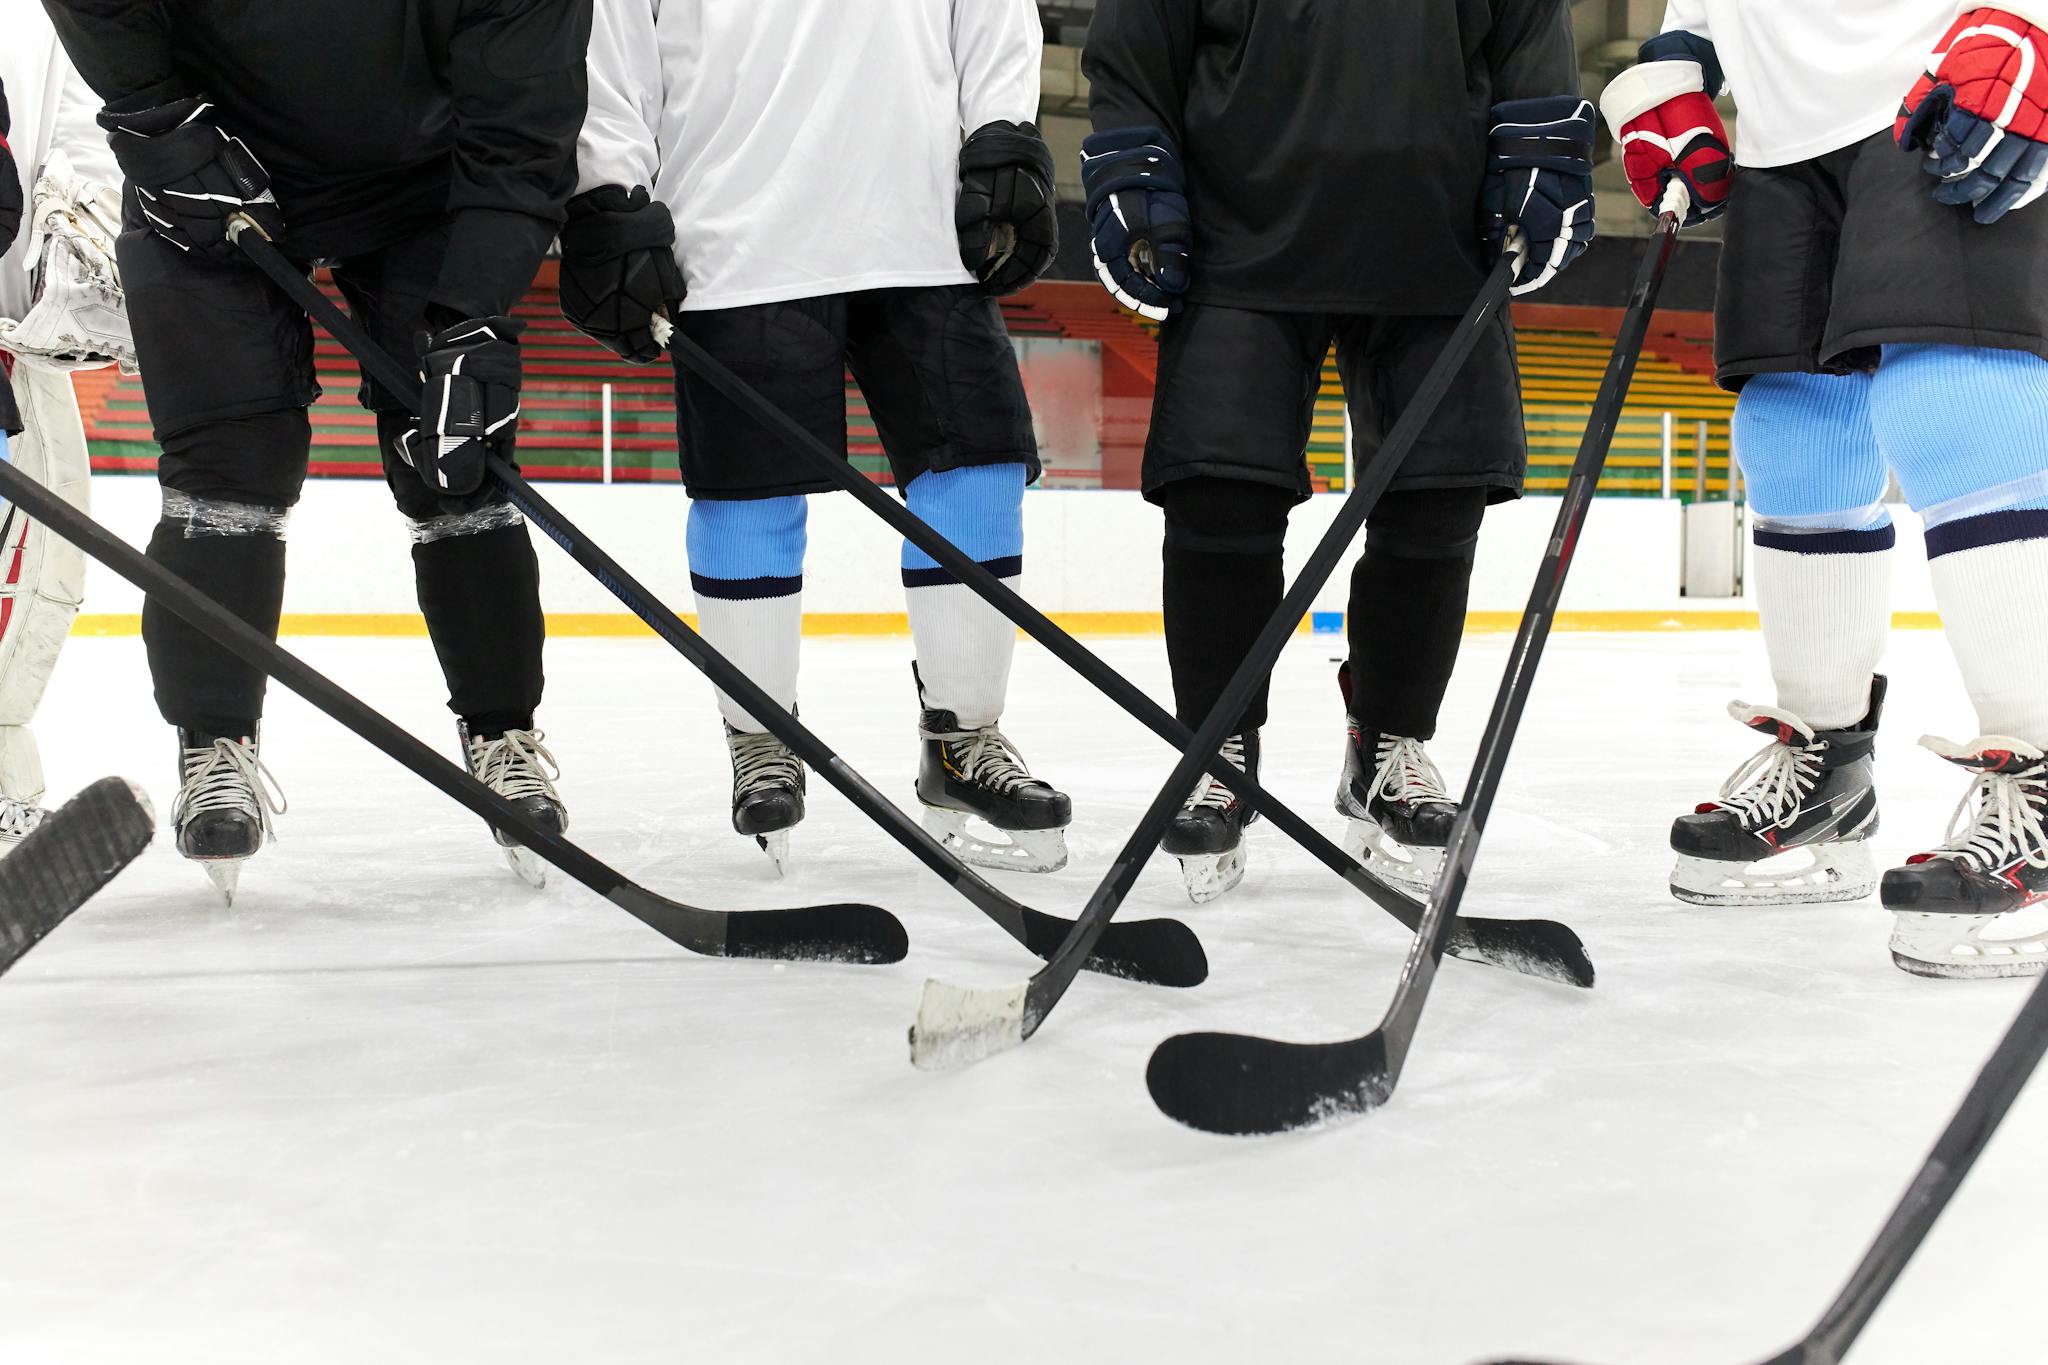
(373, 116)
(1335, 149)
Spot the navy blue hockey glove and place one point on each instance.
(1006, 217)
(1138, 207)
(619, 270)
(469, 404)
(1539, 185)
(189, 177)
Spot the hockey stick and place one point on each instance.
(828, 933)
(2012, 1063)
(957, 1026)
(1538, 947)
(1233, 1083)
(1160, 952)
(75, 851)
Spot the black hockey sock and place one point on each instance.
(199, 685)
(1407, 612)
(1224, 578)
(480, 594)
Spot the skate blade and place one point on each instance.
(1021, 850)
(226, 876)
(1971, 947)
(1830, 873)
(527, 865)
(1408, 869)
(776, 846)
(1209, 876)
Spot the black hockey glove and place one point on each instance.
(619, 269)
(189, 177)
(1138, 207)
(10, 183)
(469, 404)
(1539, 184)
(1006, 215)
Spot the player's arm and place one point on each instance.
(1661, 112)
(1005, 214)
(1980, 113)
(122, 48)
(1138, 60)
(619, 269)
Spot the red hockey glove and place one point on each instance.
(1981, 114)
(1662, 113)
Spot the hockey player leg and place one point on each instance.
(747, 567)
(1223, 579)
(1791, 825)
(42, 577)
(1967, 430)
(967, 768)
(1405, 623)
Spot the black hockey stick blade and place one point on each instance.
(1540, 948)
(1157, 952)
(78, 849)
(868, 934)
(1241, 1086)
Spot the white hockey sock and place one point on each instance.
(1826, 610)
(763, 638)
(1991, 602)
(964, 650)
(746, 565)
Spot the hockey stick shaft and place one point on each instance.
(1013, 918)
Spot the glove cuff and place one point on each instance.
(474, 332)
(2034, 12)
(156, 120)
(611, 221)
(1638, 90)
(1555, 131)
(995, 146)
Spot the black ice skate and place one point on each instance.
(1400, 813)
(225, 800)
(1978, 905)
(519, 768)
(767, 792)
(1807, 793)
(1207, 833)
(979, 773)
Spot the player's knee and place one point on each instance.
(1966, 428)
(1226, 516)
(1428, 523)
(496, 516)
(979, 508)
(1808, 451)
(258, 460)
(738, 539)
(198, 518)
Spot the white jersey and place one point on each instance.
(1813, 76)
(805, 147)
(51, 108)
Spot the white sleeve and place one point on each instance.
(1688, 16)
(997, 48)
(617, 145)
(77, 132)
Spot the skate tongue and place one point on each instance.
(1782, 726)
(1986, 753)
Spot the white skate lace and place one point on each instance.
(2006, 822)
(18, 820)
(760, 760)
(1771, 784)
(227, 775)
(516, 765)
(1405, 772)
(987, 758)
(1208, 791)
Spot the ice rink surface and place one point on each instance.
(396, 1108)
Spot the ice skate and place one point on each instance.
(767, 792)
(1978, 905)
(18, 820)
(979, 774)
(1400, 813)
(1207, 833)
(226, 799)
(1793, 824)
(519, 768)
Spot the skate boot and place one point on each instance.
(1978, 905)
(979, 773)
(519, 768)
(226, 798)
(1400, 813)
(767, 792)
(18, 820)
(1207, 833)
(1808, 796)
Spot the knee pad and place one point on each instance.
(1428, 523)
(979, 508)
(42, 575)
(1809, 453)
(755, 544)
(483, 520)
(1226, 516)
(1966, 428)
(259, 459)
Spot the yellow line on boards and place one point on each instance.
(617, 626)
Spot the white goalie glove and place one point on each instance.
(79, 320)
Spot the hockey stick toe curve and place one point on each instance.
(1157, 952)
(1534, 947)
(864, 934)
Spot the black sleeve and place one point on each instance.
(1531, 51)
(122, 48)
(1137, 61)
(520, 92)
